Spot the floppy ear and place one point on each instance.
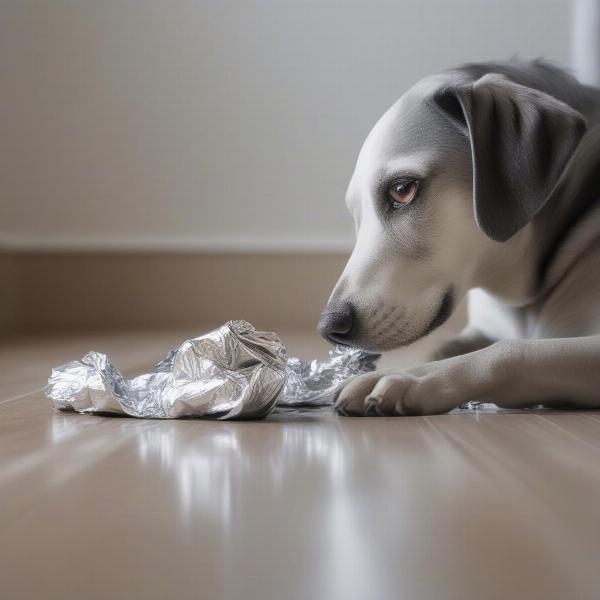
(521, 140)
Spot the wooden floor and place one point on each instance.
(304, 505)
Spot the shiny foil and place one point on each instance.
(231, 372)
(316, 382)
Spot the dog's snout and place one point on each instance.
(336, 322)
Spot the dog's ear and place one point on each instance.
(521, 140)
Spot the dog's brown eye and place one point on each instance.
(402, 192)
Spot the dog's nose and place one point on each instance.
(336, 323)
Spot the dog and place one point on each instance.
(481, 181)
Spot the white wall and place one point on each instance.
(187, 124)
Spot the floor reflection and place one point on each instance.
(335, 507)
(240, 481)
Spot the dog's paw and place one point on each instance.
(425, 390)
(378, 395)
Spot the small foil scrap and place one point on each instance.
(316, 382)
(231, 372)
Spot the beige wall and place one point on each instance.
(186, 125)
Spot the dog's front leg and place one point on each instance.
(509, 373)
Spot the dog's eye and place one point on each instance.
(403, 192)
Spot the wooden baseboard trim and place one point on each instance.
(51, 291)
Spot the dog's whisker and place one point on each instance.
(379, 306)
(384, 317)
(387, 320)
(386, 332)
(386, 338)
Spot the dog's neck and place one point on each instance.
(504, 269)
(565, 227)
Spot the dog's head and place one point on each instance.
(450, 172)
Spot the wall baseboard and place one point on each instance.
(170, 244)
(8, 293)
(49, 291)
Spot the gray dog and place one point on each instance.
(482, 180)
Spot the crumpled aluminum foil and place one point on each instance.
(231, 372)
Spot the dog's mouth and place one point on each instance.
(441, 315)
